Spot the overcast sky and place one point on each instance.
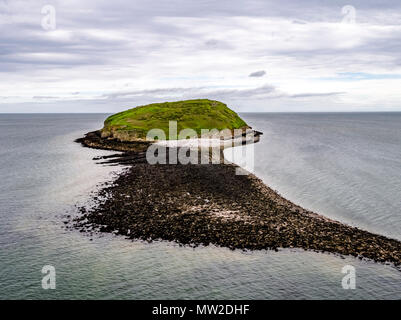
(255, 55)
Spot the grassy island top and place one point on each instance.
(195, 114)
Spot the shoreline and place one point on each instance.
(208, 204)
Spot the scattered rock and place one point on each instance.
(179, 203)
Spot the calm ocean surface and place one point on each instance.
(345, 166)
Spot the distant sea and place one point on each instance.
(346, 166)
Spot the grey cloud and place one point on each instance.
(137, 18)
(258, 74)
(45, 97)
(262, 92)
(308, 95)
(217, 44)
(298, 22)
(127, 35)
(165, 92)
(197, 92)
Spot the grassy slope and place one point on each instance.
(195, 114)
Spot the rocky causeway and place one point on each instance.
(209, 204)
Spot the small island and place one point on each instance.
(126, 131)
(202, 204)
(135, 123)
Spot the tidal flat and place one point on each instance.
(209, 204)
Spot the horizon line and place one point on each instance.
(395, 111)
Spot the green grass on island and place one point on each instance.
(194, 114)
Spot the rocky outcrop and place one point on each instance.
(209, 204)
(96, 140)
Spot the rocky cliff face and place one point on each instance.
(121, 135)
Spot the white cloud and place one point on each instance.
(136, 51)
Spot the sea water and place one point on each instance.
(345, 166)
